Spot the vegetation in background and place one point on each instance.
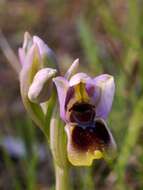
(107, 37)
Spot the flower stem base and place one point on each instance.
(62, 178)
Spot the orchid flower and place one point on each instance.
(85, 103)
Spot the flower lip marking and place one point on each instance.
(82, 113)
(91, 138)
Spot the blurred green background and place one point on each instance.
(107, 36)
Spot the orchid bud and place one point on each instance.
(34, 56)
(47, 56)
(41, 87)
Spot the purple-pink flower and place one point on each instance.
(85, 103)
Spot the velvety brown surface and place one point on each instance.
(92, 137)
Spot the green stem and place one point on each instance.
(62, 178)
(58, 148)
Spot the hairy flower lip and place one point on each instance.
(99, 126)
(89, 142)
(99, 132)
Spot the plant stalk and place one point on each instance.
(62, 178)
(58, 148)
